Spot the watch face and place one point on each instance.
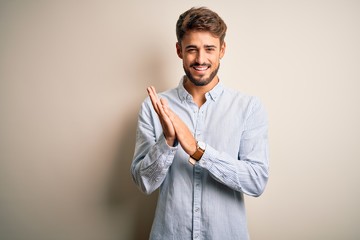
(201, 145)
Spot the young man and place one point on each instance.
(204, 145)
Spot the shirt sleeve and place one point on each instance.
(152, 156)
(249, 172)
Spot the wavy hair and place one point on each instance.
(200, 19)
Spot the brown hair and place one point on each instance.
(200, 19)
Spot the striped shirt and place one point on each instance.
(204, 201)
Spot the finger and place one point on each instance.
(161, 109)
(164, 112)
(153, 97)
(153, 90)
(152, 93)
(164, 102)
(165, 120)
(171, 115)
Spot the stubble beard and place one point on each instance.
(201, 82)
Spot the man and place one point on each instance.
(202, 144)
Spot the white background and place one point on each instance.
(73, 75)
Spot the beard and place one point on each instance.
(202, 81)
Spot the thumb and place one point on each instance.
(164, 102)
(167, 109)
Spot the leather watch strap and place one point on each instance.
(199, 151)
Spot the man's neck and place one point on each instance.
(198, 92)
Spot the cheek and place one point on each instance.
(187, 60)
(214, 58)
(215, 61)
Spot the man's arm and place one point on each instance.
(183, 134)
(153, 156)
(167, 126)
(249, 172)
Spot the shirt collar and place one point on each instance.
(213, 93)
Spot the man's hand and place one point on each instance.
(173, 126)
(168, 129)
(183, 134)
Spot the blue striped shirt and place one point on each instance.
(204, 201)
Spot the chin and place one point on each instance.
(203, 81)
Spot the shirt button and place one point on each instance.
(196, 209)
(196, 236)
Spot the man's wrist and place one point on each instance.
(200, 149)
(171, 142)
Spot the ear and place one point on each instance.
(222, 49)
(179, 50)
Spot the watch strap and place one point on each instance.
(198, 153)
(192, 161)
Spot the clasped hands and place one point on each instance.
(173, 127)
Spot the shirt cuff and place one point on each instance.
(207, 159)
(163, 147)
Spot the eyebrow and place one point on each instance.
(206, 46)
(210, 46)
(190, 46)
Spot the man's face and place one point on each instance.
(201, 54)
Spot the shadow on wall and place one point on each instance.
(122, 189)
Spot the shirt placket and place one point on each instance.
(198, 116)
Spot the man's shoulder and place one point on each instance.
(240, 98)
(237, 94)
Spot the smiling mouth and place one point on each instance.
(202, 67)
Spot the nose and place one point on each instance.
(200, 57)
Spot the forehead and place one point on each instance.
(200, 38)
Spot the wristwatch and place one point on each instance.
(200, 149)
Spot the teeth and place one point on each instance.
(200, 68)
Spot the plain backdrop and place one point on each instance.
(74, 73)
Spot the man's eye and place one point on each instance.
(191, 50)
(210, 49)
